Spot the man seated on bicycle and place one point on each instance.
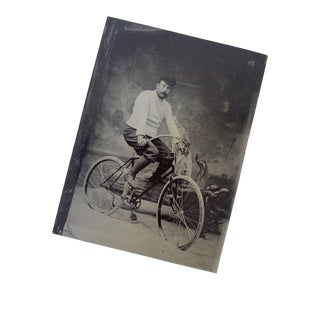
(149, 110)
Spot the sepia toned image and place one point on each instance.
(159, 150)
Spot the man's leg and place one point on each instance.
(148, 154)
(165, 160)
(139, 165)
(130, 136)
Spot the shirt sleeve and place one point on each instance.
(140, 110)
(172, 128)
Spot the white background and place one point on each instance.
(270, 263)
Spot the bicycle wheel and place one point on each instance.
(180, 213)
(103, 185)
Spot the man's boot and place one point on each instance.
(130, 175)
(139, 165)
(162, 168)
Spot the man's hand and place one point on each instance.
(182, 147)
(142, 141)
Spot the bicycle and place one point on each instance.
(180, 206)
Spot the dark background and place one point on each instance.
(214, 99)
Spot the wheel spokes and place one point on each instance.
(103, 184)
(180, 212)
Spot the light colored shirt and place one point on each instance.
(148, 112)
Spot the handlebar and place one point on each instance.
(183, 148)
(163, 136)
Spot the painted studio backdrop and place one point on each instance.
(214, 102)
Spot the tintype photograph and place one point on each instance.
(160, 146)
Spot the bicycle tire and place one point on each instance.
(103, 185)
(180, 213)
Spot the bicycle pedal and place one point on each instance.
(133, 218)
(137, 192)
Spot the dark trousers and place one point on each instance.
(155, 151)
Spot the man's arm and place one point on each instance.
(172, 128)
(140, 113)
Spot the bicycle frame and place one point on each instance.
(139, 196)
(186, 218)
(131, 160)
(171, 172)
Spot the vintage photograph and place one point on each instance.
(160, 146)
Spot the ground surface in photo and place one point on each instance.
(116, 231)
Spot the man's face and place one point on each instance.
(163, 89)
